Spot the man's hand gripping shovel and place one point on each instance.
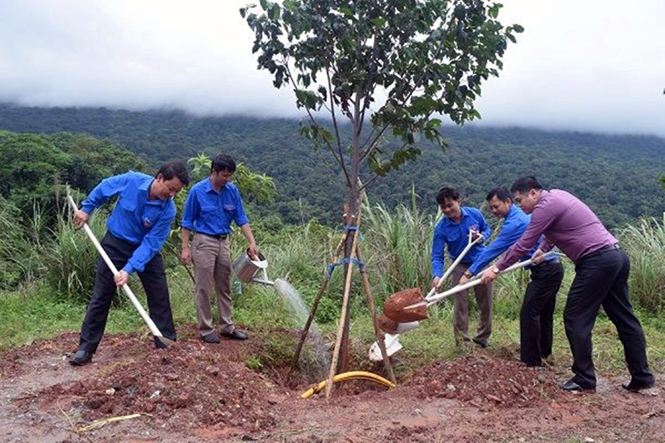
(151, 325)
(393, 328)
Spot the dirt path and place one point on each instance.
(194, 393)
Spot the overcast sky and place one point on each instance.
(591, 65)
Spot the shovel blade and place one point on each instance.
(392, 345)
(163, 342)
(395, 306)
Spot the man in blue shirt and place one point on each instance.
(212, 204)
(536, 315)
(453, 232)
(137, 229)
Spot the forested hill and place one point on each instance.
(616, 175)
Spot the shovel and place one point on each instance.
(406, 313)
(413, 295)
(151, 325)
(392, 328)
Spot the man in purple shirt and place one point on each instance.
(601, 278)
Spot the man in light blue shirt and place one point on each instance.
(212, 204)
(137, 229)
(536, 316)
(453, 232)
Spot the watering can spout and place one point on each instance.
(264, 280)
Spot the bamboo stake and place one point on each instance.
(377, 331)
(342, 320)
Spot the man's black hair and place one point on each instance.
(501, 193)
(223, 162)
(447, 192)
(525, 184)
(174, 169)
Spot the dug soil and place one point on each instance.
(196, 392)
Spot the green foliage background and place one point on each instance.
(617, 176)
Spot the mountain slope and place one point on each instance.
(616, 175)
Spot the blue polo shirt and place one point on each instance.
(210, 212)
(514, 225)
(135, 219)
(456, 236)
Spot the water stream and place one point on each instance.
(294, 299)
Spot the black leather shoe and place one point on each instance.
(80, 358)
(237, 334)
(570, 385)
(482, 344)
(638, 386)
(210, 338)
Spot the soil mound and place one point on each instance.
(202, 385)
(483, 381)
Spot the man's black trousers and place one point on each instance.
(602, 280)
(154, 283)
(536, 316)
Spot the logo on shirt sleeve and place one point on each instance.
(147, 223)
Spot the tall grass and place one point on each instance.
(70, 258)
(398, 248)
(644, 242)
(20, 254)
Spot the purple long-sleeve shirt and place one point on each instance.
(566, 222)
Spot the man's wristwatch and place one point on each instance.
(495, 269)
(467, 274)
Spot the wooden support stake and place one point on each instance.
(377, 331)
(342, 319)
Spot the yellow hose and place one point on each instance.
(353, 375)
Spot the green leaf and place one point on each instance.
(275, 12)
(378, 22)
(494, 10)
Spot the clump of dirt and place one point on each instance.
(485, 381)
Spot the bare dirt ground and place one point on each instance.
(197, 393)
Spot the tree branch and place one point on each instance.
(340, 160)
(335, 125)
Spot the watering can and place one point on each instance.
(246, 269)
